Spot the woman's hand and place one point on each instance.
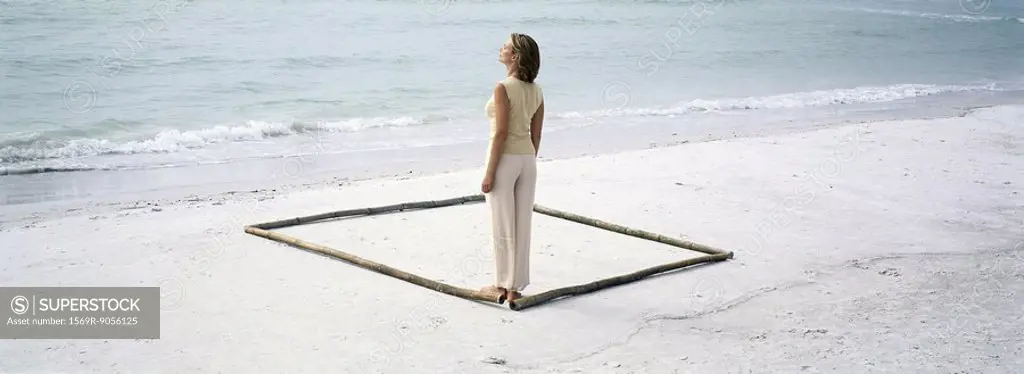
(487, 184)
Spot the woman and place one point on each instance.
(516, 113)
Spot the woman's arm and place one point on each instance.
(501, 132)
(536, 125)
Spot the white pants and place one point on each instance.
(511, 202)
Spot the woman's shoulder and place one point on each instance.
(520, 85)
(537, 87)
(509, 80)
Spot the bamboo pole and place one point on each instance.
(477, 295)
(427, 204)
(686, 244)
(714, 254)
(534, 300)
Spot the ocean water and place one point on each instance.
(107, 96)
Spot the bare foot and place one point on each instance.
(512, 295)
(492, 289)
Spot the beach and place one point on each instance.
(862, 160)
(865, 246)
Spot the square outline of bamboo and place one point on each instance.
(264, 230)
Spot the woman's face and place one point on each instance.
(505, 55)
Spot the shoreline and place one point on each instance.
(48, 195)
(810, 207)
(262, 137)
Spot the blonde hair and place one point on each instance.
(527, 59)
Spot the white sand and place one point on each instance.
(880, 247)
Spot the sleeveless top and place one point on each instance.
(524, 100)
